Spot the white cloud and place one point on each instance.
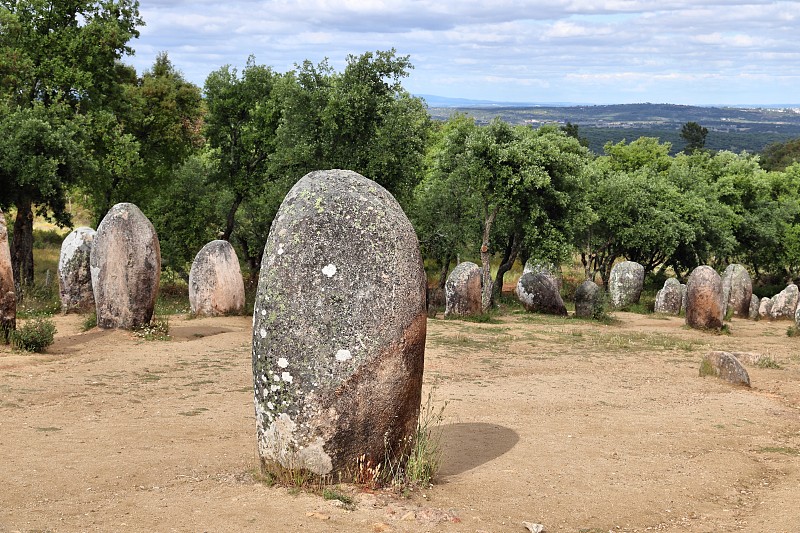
(529, 50)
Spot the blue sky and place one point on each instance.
(587, 51)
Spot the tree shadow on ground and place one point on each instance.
(468, 445)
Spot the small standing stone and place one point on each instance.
(764, 307)
(338, 329)
(216, 286)
(539, 294)
(126, 268)
(704, 299)
(725, 366)
(8, 295)
(737, 288)
(754, 303)
(670, 298)
(589, 300)
(784, 304)
(625, 284)
(463, 290)
(74, 272)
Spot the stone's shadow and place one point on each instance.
(468, 445)
(193, 333)
(67, 344)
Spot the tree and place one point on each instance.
(695, 136)
(59, 64)
(361, 119)
(516, 177)
(156, 121)
(572, 130)
(779, 156)
(243, 116)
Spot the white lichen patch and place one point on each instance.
(287, 377)
(281, 443)
(280, 249)
(283, 362)
(263, 333)
(343, 355)
(263, 312)
(329, 270)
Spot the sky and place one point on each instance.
(699, 52)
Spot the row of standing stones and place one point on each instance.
(339, 321)
(705, 298)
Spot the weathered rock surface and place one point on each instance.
(126, 268)
(784, 304)
(338, 328)
(725, 366)
(704, 307)
(737, 290)
(589, 300)
(539, 294)
(625, 284)
(670, 298)
(8, 294)
(764, 307)
(74, 272)
(536, 266)
(463, 290)
(797, 317)
(683, 298)
(216, 286)
(754, 304)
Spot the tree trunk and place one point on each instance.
(22, 246)
(509, 256)
(486, 291)
(443, 272)
(231, 220)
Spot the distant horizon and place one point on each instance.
(452, 101)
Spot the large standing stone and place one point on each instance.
(463, 290)
(670, 298)
(8, 295)
(625, 284)
(338, 328)
(74, 272)
(539, 294)
(754, 303)
(126, 268)
(737, 290)
(683, 298)
(725, 366)
(216, 286)
(589, 300)
(784, 304)
(704, 308)
(797, 317)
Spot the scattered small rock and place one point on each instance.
(533, 528)
(318, 516)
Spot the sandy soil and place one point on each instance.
(574, 425)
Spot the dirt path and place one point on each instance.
(571, 424)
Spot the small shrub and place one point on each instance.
(90, 322)
(156, 330)
(793, 331)
(768, 362)
(35, 336)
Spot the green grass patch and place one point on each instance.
(34, 336)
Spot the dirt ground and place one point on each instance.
(574, 425)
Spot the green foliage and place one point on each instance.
(35, 335)
(188, 213)
(695, 136)
(89, 322)
(780, 155)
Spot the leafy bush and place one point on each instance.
(35, 336)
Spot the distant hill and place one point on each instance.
(730, 128)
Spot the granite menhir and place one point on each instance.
(216, 286)
(126, 268)
(74, 274)
(339, 326)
